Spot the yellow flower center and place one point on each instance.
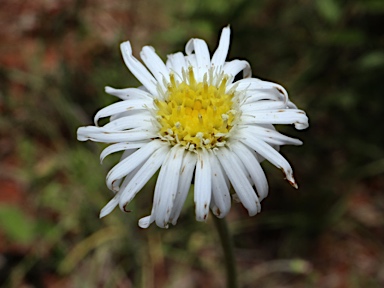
(196, 114)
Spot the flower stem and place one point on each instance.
(227, 244)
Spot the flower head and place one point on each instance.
(190, 119)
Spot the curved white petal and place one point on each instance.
(192, 63)
(220, 189)
(99, 134)
(176, 64)
(166, 186)
(138, 69)
(249, 159)
(123, 106)
(128, 113)
(203, 184)
(271, 155)
(142, 176)
(202, 55)
(263, 105)
(256, 89)
(255, 83)
(239, 181)
(267, 135)
(251, 96)
(138, 120)
(117, 183)
(234, 67)
(281, 116)
(128, 93)
(186, 174)
(146, 221)
(155, 64)
(111, 205)
(120, 147)
(218, 58)
(128, 164)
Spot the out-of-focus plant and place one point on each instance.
(326, 53)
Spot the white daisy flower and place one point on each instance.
(191, 120)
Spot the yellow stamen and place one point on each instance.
(195, 114)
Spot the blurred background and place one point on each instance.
(56, 57)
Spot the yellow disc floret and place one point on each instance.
(196, 114)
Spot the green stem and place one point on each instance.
(227, 244)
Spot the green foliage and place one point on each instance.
(16, 224)
(329, 9)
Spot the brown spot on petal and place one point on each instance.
(125, 209)
(293, 184)
(205, 216)
(114, 188)
(278, 89)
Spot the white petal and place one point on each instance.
(128, 113)
(234, 67)
(128, 164)
(122, 106)
(251, 96)
(255, 83)
(137, 120)
(127, 179)
(220, 190)
(271, 155)
(201, 52)
(119, 147)
(146, 171)
(128, 93)
(191, 62)
(249, 159)
(117, 183)
(186, 174)
(203, 184)
(218, 58)
(99, 134)
(166, 186)
(176, 63)
(291, 105)
(253, 87)
(109, 207)
(239, 181)
(202, 57)
(281, 116)
(155, 64)
(138, 69)
(267, 135)
(146, 221)
(263, 105)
